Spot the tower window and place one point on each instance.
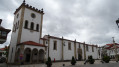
(32, 26)
(37, 27)
(14, 28)
(26, 24)
(69, 46)
(18, 25)
(17, 15)
(55, 45)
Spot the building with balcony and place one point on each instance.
(110, 50)
(3, 33)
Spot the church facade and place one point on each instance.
(27, 45)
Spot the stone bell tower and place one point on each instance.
(27, 26)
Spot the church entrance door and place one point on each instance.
(79, 54)
(79, 57)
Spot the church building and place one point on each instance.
(28, 46)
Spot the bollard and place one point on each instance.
(54, 59)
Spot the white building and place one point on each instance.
(110, 50)
(27, 45)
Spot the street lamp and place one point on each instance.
(117, 22)
(116, 58)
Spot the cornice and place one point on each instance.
(29, 7)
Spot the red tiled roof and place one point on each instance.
(114, 47)
(32, 43)
(2, 49)
(111, 45)
(43, 38)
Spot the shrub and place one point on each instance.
(106, 59)
(73, 61)
(91, 60)
(49, 62)
(118, 57)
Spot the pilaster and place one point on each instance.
(84, 51)
(75, 49)
(21, 25)
(48, 44)
(62, 49)
(41, 25)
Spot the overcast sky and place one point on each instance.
(90, 21)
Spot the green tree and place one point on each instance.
(73, 61)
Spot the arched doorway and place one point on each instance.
(41, 55)
(79, 54)
(17, 55)
(34, 55)
(27, 55)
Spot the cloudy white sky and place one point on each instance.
(90, 21)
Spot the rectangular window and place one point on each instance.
(0, 53)
(92, 49)
(4, 33)
(79, 46)
(69, 46)
(87, 47)
(0, 33)
(55, 45)
(46, 42)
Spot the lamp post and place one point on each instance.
(115, 49)
(117, 22)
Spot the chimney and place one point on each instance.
(0, 21)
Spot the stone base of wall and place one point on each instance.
(29, 65)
